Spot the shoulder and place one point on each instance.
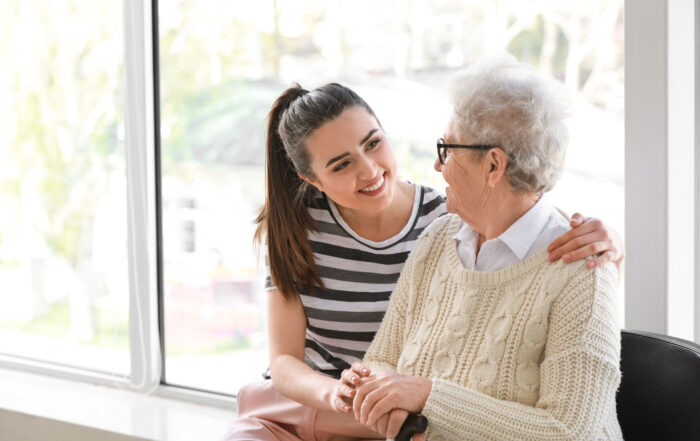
(577, 284)
(431, 197)
(435, 235)
(317, 200)
(431, 204)
(584, 310)
(442, 226)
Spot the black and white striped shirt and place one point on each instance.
(359, 276)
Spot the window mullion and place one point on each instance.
(646, 172)
(140, 170)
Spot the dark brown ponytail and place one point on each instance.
(285, 217)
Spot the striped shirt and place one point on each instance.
(359, 276)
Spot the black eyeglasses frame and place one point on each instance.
(442, 148)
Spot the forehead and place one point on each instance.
(342, 133)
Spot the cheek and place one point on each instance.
(389, 159)
(451, 176)
(458, 182)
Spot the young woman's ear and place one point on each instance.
(496, 161)
(311, 181)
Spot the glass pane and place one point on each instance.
(64, 295)
(223, 63)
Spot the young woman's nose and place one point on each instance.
(368, 168)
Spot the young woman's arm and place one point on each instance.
(290, 375)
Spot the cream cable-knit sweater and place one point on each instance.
(530, 352)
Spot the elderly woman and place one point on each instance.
(484, 335)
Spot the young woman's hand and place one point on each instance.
(349, 380)
(587, 237)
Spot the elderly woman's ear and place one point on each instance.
(496, 160)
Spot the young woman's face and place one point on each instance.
(352, 161)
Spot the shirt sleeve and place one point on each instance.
(579, 376)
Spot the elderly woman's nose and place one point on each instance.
(437, 165)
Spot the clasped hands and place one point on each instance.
(381, 400)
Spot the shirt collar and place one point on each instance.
(520, 236)
(467, 235)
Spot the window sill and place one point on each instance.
(34, 407)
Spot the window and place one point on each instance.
(222, 65)
(64, 295)
(74, 254)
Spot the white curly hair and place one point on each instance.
(499, 101)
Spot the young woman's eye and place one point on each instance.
(340, 166)
(372, 144)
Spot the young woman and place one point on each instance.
(339, 225)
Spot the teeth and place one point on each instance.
(375, 186)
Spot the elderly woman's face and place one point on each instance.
(463, 172)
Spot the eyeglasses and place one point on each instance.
(442, 148)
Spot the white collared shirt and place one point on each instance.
(531, 233)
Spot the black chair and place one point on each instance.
(659, 397)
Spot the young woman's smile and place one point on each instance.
(375, 188)
(352, 161)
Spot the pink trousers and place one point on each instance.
(264, 414)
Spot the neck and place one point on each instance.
(502, 213)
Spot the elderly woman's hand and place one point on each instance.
(588, 236)
(379, 394)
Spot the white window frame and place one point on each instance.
(661, 160)
(660, 124)
(144, 344)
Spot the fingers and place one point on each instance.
(574, 249)
(345, 391)
(577, 219)
(587, 251)
(350, 378)
(360, 369)
(395, 421)
(588, 226)
(376, 404)
(381, 426)
(601, 260)
(344, 394)
(360, 397)
(341, 406)
(418, 437)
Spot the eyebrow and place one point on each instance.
(337, 158)
(371, 132)
(342, 155)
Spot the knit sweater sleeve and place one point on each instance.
(579, 376)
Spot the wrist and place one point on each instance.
(425, 386)
(428, 387)
(328, 393)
